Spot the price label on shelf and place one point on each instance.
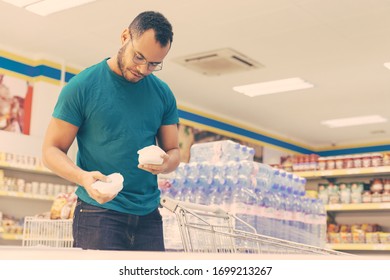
(334, 206)
(380, 246)
(384, 205)
(326, 173)
(353, 171)
(380, 169)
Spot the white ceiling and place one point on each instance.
(338, 45)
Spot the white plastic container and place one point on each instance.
(150, 155)
(111, 188)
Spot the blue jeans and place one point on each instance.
(103, 229)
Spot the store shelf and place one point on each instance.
(35, 170)
(11, 236)
(355, 213)
(380, 170)
(26, 195)
(359, 247)
(357, 207)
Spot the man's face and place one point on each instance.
(144, 48)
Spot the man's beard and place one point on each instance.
(121, 63)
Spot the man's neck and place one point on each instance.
(113, 64)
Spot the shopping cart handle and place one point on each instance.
(172, 204)
(168, 203)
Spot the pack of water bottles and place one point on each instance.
(272, 201)
(224, 150)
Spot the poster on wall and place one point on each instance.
(189, 135)
(15, 104)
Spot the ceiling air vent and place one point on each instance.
(218, 62)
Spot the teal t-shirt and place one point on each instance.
(116, 118)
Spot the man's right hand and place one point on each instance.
(88, 178)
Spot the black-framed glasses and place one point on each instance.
(140, 59)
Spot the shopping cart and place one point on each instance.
(209, 229)
(47, 233)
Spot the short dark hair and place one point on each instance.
(152, 20)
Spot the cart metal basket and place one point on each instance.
(47, 233)
(212, 230)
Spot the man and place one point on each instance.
(115, 108)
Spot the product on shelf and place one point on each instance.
(386, 159)
(63, 206)
(376, 185)
(224, 150)
(386, 196)
(346, 193)
(356, 192)
(357, 233)
(305, 162)
(22, 161)
(366, 197)
(39, 195)
(333, 194)
(314, 162)
(11, 225)
(22, 187)
(270, 200)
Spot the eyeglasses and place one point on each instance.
(140, 60)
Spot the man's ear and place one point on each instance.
(125, 35)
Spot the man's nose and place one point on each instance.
(144, 69)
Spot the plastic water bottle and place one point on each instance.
(250, 202)
(289, 197)
(182, 170)
(288, 200)
(233, 168)
(207, 170)
(268, 213)
(282, 177)
(230, 150)
(298, 218)
(246, 153)
(276, 178)
(171, 232)
(214, 194)
(279, 208)
(186, 189)
(310, 228)
(213, 198)
(215, 151)
(322, 215)
(261, 220)
(263, 175)
(289, 182)
(191, 185)
(247, 168)
(201, 190)
(238, 204)
(194, 169)
(239, 209)
(302, 186)
(316, 223)
(226, 193)
(220, 170)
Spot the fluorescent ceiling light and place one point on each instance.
(272, 87)
(387, 65)
(47, 7)
(362, 120)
